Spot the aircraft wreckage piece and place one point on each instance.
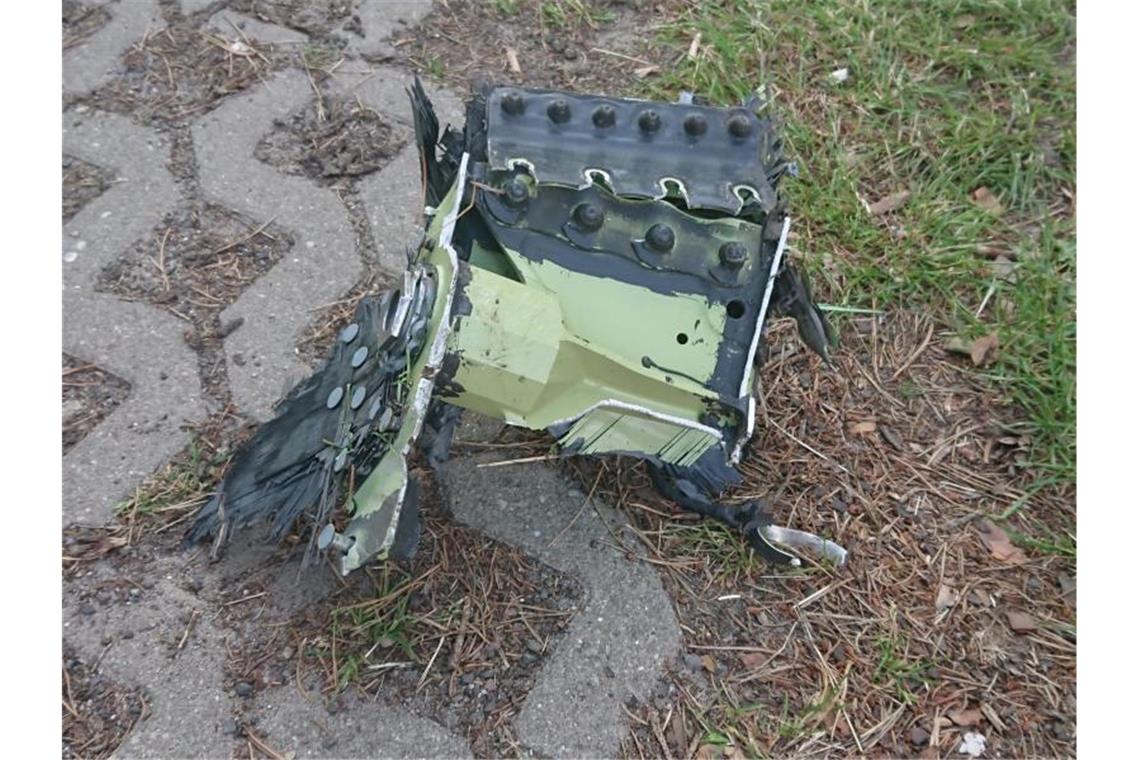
(597, 267)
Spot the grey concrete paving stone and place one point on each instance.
(139, 343)
(616, 645)
(358, 728)
(381, 20)
(190, 7)
(233, 26)
(184, 687)
(93, 62)
(319, 268)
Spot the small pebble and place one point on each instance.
(243, 689)
(87, 608)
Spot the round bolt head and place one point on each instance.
(604, 117)
(558, 111)
(588, 216)
(739, 125)
(357, 399)
(359, 355)
(695, 125)
(513, 103)
(348, 334)
(515, 192)
(374, 408)
(335, 395)
(660, 237)
(325, 537)
(733, 254)
(649, 121)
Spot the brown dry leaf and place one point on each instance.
(983, 349)
(992, 250)
(709, 663)
(752, 659)
(695, 46)
(965, 717)
(513, 61)
(985, 199)
(997, 541)
(861, 428)
(1021, 622)
(945, 598)
(892, 202)
(641, 72)
(708, 752)
(957, 346)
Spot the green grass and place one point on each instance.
(181, 485)
(942, 99)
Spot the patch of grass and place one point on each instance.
(564, 13)
(941, 100)
(506, 7)
(434, 67)
(318, 57)
(180, 486)
(897, 670)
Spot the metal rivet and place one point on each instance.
(649, 121)
(588, 216)
(516, 193)
(357, 399)
(341, 460)
(660, 237)
(348, 334)
(733, 254)
(335, 395)
(558, 111)
(604, 116)
(359, 355)
(739, 125)
(513, 103)
(695, 125)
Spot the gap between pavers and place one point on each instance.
(138, 342)
(616, 645)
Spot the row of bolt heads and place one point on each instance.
(739, 124)
(659, 237)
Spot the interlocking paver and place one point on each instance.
(139, 343)
(89, 65)
(380, 20)
(614, 648)
(235, 25)
(320, 267)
